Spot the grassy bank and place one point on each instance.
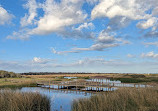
(17, 82)
(20, 101)
(120, 100)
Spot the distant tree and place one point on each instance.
(6, 74)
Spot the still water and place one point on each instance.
(63, 99)
(60, 99)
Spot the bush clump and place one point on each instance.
(6, 74)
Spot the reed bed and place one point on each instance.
(143, 99)
(23, 101)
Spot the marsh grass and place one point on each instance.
(23, 101)
(120, 100)
(17, 82)
(137, 80)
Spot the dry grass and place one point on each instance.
(20, 101)
(89, 75)
(16, 82)
(68, 75)
(120, 100)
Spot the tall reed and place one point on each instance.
(121, 100)
(23, 101)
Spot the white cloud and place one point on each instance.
(5, 17)
(129, 10)
(56, 18)
(86, 26)
(113, 8)
(23, 34)
(59, 15)
(155, 11)
(40, 60)
(62, 52)
(149, 55)
(130, 55)
(97, 47)
(105, 40)
(29, 18)
(148, 23)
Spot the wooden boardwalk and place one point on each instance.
(97, 85)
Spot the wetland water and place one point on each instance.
(60, 99)
(63, 99)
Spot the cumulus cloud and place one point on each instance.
(114, 8)
(56, 18)
(62, 17)
(127, 10)
(149, 55)
(148, 23)
(85, 26)
(5, 17)
(59, 15)
(29, 18)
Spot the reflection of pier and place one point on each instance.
(90, 85)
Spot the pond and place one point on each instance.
(60, 99)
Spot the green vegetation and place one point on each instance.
(6, 74)
(83, 77)
(22, 101)
(136, 78)
(19, 85)
(130, 80)
(120, 100)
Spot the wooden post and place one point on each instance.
(49, 83)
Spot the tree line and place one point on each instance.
(6, 74)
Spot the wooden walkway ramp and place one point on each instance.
(86, 85)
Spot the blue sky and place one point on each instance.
(79, 36)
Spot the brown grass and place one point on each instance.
(120, 100)
(20, 101)
(16, 82)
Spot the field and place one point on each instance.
(31, 80)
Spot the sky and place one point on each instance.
(116, 36)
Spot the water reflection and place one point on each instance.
(59, 98)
